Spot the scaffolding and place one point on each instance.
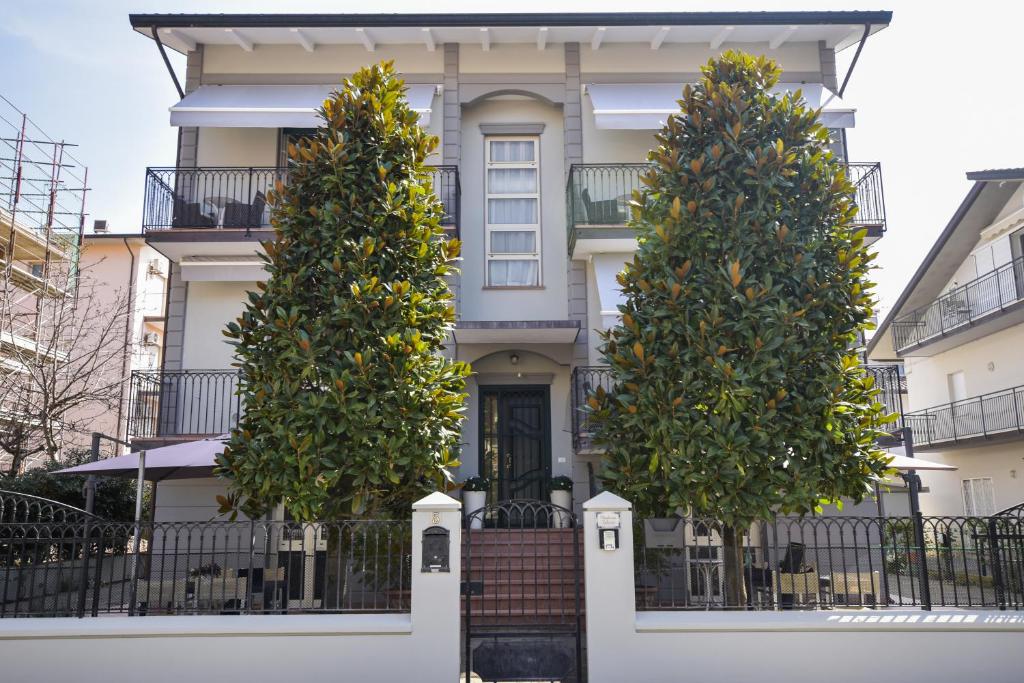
(42, 220)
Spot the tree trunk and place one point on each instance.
(732, 548)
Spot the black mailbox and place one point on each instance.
(435, 550)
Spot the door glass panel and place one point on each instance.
(512, 180)
(513, 242)
(513, 273)
(512, 151)
(519, 211)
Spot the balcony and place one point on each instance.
(234, 199)
(586, 380)
(997, 416)
(981, 306)
(598, 196)
(182, 405)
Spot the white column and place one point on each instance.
(435, 596)
(611, 601)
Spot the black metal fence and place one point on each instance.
(599, 194)
(961, 307)
(997, 414)
(92, 568)
(236, 197)
(834, 562)
(183, 403)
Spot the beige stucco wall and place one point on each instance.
(504, 58)
(1003, 463)
(639, 58)
(237, 147)
(927, 376)
(549, 302)
(336, 61)
(211, 305)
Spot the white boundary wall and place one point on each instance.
(422, 646)
(835, 646)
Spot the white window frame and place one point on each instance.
(535, 255)
(982, 490)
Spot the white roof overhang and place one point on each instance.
(646, 106)
(273, 106)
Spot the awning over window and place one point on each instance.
(646, 106)
(272, 106)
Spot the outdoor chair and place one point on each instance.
(604, 212)
(797, 583)
(241, 215)
(190, 215)
(857, 589)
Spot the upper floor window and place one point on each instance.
(979, 497)
(513, 212)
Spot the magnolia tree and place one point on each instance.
(350, 407)
(737, 391)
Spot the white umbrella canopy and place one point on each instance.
(904, 463)
(189, 460)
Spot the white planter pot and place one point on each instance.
(471, 502)
(562, 499)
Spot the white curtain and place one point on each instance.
(513, 273)
(512, 150)
(512, 180)
(519, 211)
(513, 242)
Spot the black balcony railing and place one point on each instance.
(962, 307)
(183, 403)
(598, 195)
(230, 197)
(586, 379)
(999, 414)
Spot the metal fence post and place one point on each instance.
(997, 569)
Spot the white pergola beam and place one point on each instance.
(721, 37)
(485, 39)
(367, 39)
(304, 40)
(187, 42)
(428, 39)
(240, 39)
(780, 38)
(659, 37)
(542, 37)
(595, 42)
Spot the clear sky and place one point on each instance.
(938, 93)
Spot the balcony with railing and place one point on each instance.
(598, 196)
(980, 305)
(587, 379)
(989, 417)
(182, 404)
(235, 198)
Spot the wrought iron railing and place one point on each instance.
(996, 414)
(833, 562)
(235, 197)
(962, 307)
(23, 508)
(183, 403)
(586, 380)
(264, 567)
(598, 195)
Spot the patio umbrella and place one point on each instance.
(905, 463)
(189, 460)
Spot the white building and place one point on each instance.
(957, 327)
(571, 102)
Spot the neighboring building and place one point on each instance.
(545, 122)
(958, 328)
(121, 269)
(42, 204)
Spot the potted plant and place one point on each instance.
(474, 497)
(561, 495)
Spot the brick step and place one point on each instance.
(507, 535)
(512, 564)
(490, 617)
(545, 555)
(514, 604)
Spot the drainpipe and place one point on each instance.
(126, 361)
(167, 62)
(849, 72)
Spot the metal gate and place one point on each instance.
(522, 594)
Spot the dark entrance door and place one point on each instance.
(515, 438)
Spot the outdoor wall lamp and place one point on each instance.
(514, 359)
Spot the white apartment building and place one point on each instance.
(957, 328)
(545, 121)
